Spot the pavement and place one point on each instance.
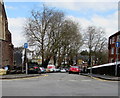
(104, 77)
(15, 76)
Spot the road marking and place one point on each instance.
(24, 78)
(99, 79)
(102, 79)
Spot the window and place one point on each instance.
(113, 40)
(112, 51)
(118, 38)
(110, 41)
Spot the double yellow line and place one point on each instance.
(102, 79)
(27, 77)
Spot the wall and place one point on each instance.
(6, 46)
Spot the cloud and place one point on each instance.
(16, 28)
(108, 23)
(85, 6)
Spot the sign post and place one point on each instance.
(26, 46)
(117, 47)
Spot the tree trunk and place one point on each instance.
(46, 62)
(42, 51)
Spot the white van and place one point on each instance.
(51, 68)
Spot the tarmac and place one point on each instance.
(16, 76)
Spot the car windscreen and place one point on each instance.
(74, 66)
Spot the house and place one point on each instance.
(6, 46)
(19, 53)
(112, 49)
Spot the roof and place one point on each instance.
(108, 64)
(117, 33)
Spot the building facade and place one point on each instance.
(6, 46)
(112, 49)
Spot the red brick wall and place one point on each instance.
(113, 45)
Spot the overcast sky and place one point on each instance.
(101, 14)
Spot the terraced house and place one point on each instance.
(113, 50)
(6, 46)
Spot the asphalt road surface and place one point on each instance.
(59, 84)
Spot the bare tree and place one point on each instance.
(71, 40)
(53, 35)
(41, 27)
(95, 40)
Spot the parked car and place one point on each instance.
(34, 70)
(42, 69)
(62, 70)
(51, 68)
(74, 69)
(2, 71)
(47, 70)
(57, 70)
(67, 69)
(13, 71)
(18, 69)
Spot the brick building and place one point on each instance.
(112, 56)
(6, 46)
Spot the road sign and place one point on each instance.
(25, 45)
(117, 44)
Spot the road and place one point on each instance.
(59, 84)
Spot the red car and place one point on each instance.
(74, 69)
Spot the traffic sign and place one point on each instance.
(117, 44)
(25, 45)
